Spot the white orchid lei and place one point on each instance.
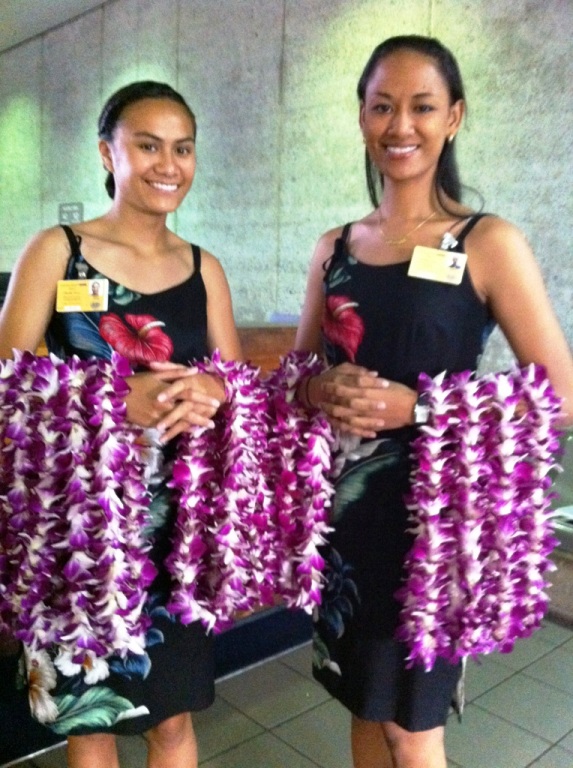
(480, 506)
(74, 568)
(258, 485)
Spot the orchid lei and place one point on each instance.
(73, 565)
(253, 497)
(219, 483)
(481, 515)
(300, 446)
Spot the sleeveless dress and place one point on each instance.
(176, 674)
(400, 326)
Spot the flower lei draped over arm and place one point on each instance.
(481, 515)
(253, 498)
(73, 565)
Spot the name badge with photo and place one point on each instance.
(434, 264)
(82, 295)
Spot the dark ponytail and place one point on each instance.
(130, 94)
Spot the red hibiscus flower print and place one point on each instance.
(140, 339)
(342, 325)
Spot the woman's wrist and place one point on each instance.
(221, 384)
(305, 393)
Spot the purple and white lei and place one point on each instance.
(253, 498)
(73, 565)
(481, 515)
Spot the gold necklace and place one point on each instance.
(404, 238)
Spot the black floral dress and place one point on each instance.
(379, 317)
(176, 673)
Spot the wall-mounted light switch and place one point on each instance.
(70, 213)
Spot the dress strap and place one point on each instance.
(76, 260)
(339, 250)
(74, 241)
(196, 257)
(345, 232)
(470, 224)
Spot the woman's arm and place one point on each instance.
(308, 335)
(221, 329)
(31, 296)
(355, 399)
(196, 397)
(506, 274)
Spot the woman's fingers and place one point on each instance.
(143, 407)
(351, 369)
(356, 398)
(166, 365)
(344, 428)
(172, 371)
(178, 391)
(183, 417)
(358, 401)
(348, 381)
(198, 387)
(365, 424)
(174, 399)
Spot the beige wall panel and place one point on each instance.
(230, 69)
(139, 42)
(71, 85)
(20, 148)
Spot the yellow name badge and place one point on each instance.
(441, 266)
(82, 295)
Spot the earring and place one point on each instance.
(451, 137)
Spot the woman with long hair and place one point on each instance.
(386, 302)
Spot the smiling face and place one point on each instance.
(151, 155)
(407, 116)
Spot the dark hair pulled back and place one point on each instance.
(123, 98)
(447, 176)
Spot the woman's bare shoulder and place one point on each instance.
(494, 230)
(325, 245)
(49, 246)
(331, 234)
(48, 237)
(209, 262)
(213, 273)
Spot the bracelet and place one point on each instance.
(306, 397)
(306, 401)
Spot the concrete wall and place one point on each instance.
(280, 156)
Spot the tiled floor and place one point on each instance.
(519, 713)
